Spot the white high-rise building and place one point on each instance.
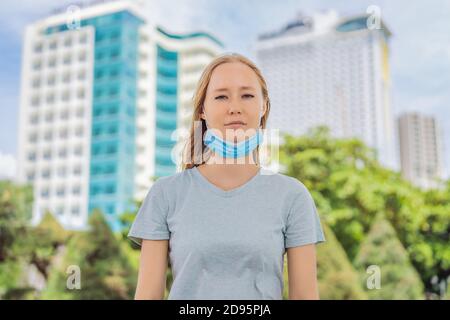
(102, 91)
(421, 149)
(333, 71)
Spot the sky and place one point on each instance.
(419, 47)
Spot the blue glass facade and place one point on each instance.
(111, 181)
(166, 110)
(352, 25)
(166, 101)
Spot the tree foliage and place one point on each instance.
(351, 188)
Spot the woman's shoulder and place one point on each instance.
(283, 182)
(173, 181)
(277, 181)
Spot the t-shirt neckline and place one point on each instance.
(224, 193)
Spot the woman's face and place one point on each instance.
(234, 94)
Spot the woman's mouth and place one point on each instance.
(235, 124)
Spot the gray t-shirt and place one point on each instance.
(228, 244)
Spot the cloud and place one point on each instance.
(7, 166)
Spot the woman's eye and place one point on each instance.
(245, 96)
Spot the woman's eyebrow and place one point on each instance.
(241, 88)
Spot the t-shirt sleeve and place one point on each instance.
(303, 224)
(151, 220)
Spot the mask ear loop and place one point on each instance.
(255, 153)
(206, 120)
(260, 116)
(209, 152)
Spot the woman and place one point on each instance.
(223, 221)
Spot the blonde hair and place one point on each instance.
(191, 155)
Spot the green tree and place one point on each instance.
(105, 271)
(16, 203)
(398, 278)
(351, 188)
(45, 240)
(337, 278)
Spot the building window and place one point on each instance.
(79, 151)
(30, 176)
(34, 119)
(32, 137)
(52, 62)
(75, 210)
(76, 190)
(80, 113)
(37, 64)
(50, 98)
(62, 153)
(81, 76)
(109, 169)
(110, 209)
(113, 92)
(66, 77)
(46, 173)
(32, 156)
(98, 74)
(38, 47)
(64, 114)
(65, 96)
(83, 38)
(79, 131)
(63, 133)
(68, 42)
(114, 54)
(82, 56)
(51, 80)
(80, 93)
(48, 136)
(60, 191)
(47, 155)
(45, 193)
(114, 73)
(110, 189)
(53, 45)
(98, 93)
(97, 131)
(112, 130)
(62, 172)
(111, 150)
(36, 83)
(67, 59)
(60, 211)
(49, 117)
(35, 101)
(77, 170)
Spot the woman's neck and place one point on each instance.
(228, 175)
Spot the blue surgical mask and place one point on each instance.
(228, 149)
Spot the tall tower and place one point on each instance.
(333, 71)
(93, 85)
(421, 149)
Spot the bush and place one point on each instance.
(399, 279)
(338, 280)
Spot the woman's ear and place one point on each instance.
(264, 109)
(202, 113)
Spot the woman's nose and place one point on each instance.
(234, 107)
